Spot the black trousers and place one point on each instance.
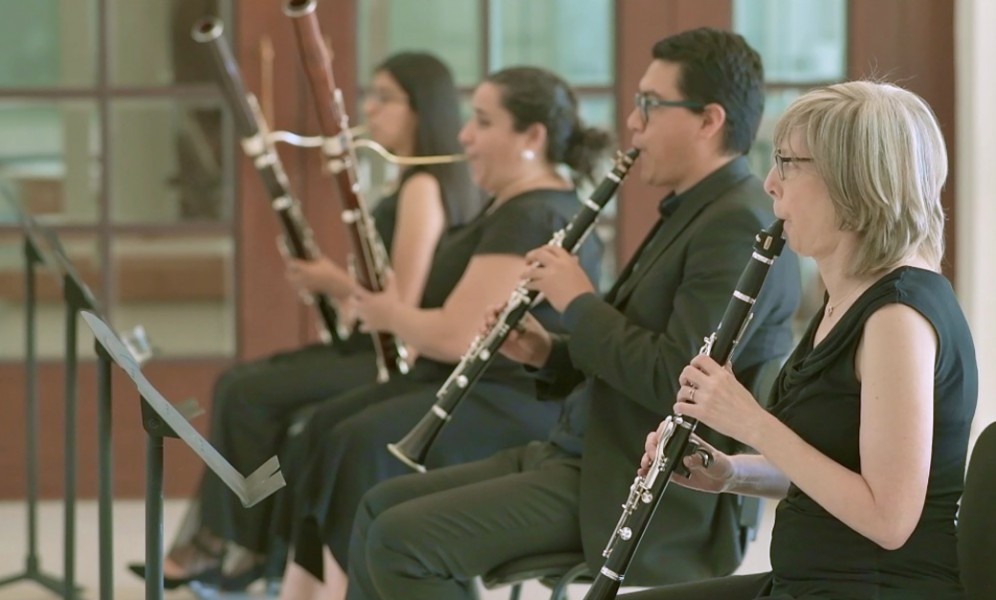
(252, 405)
(426, 536)
(348, 457)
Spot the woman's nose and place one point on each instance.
(368, 107)
(465, 136)
(773, 183)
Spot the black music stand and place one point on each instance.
(77, 297)
(161, 419)
(33, 256)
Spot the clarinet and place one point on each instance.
(645, 493)
(260, 150)
(414, 447)
(369, 261)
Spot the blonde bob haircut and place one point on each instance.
(880, 152)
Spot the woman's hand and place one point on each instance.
(711, 394)
(716, 477)
(528, 342)
(557, 274)
(346, 311)
(318, 276)
(377, 311)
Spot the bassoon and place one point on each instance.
(674, 443)
(259, 148)
(369, 261)
(414, 447)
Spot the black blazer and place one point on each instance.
(629, 349)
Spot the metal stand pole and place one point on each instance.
(153, 504)
(105, 475)
(69, 538)
(32, 566)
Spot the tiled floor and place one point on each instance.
(129, 546)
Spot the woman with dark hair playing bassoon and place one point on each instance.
(411, 109)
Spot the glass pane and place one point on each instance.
(82, 252)
(799, 40)
(179, 289)
(169, 163)
(386, 27)
(50, 157)
(151, 43)
(48, 43)
(598, 110)
(573, 38)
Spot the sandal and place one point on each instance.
(198, 553)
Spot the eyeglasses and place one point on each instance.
(644, 102)
(780, 162)
(379, 96)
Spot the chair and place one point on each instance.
(977, 519)
(557, 571)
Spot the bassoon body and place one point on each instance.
(674, 443)
(368, 260)
(253, 131)
(414, 447)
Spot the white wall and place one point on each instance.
(975, 161)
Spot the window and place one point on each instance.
(111, 133)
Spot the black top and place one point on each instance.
(524, 222)
(385, 214)
(818, 396)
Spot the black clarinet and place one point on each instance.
(259, 148)
(674, 444)
(414, 447)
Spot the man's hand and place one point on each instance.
(557, 274)
(528, 342)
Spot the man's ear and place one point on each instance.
(713, 119)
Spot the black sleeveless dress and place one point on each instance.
(817, 395)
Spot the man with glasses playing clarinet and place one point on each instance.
(427, 536)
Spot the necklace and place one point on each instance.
(835, 305)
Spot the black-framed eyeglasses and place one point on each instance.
(644, 102)
(781, 161)
(380, 96)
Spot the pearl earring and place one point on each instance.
(528, 154)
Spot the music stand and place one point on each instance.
(161, 419)
(77, 297)
(33, 256)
